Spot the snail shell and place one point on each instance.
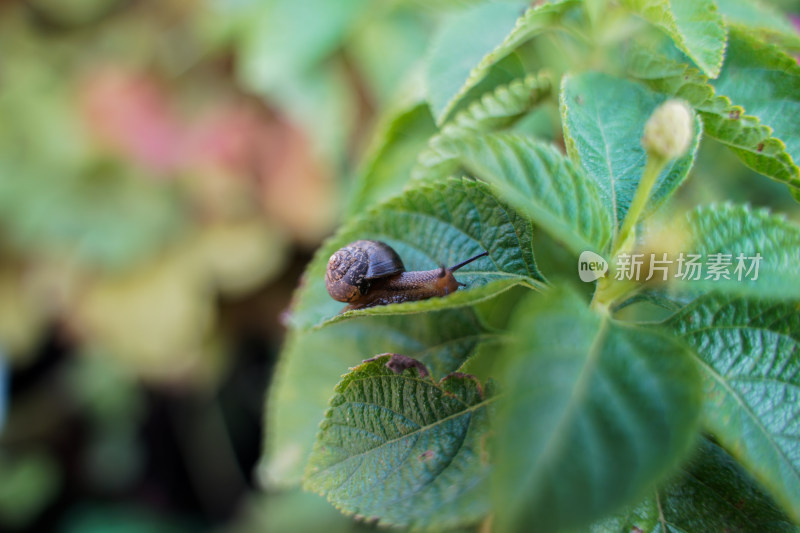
(352, 269)
(369, 273)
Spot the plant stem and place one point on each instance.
(608, 289)
(655, 164)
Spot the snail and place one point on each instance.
(367, 273)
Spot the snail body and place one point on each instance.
(368, 273)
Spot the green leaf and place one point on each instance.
(430, 225)
(749, 353)
(713, 493)
(389, 164)
(603, 120)
(460, 44)
(744, 134)
(593, 413)
(503, 72)
(738, 230)
(312, 362)
(401, 448)
(539, 181)
(694, 25)
(501, 107)
(495, 110)
(450, 68)
(762, 19)
(766, 82)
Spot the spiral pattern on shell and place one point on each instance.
(345, 277)
(351, 268)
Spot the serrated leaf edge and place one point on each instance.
(714, 107)
(518, 35)
(671, 27)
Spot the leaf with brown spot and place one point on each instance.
(402, 448)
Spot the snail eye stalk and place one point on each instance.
(468, 261)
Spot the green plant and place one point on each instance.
(529, 401)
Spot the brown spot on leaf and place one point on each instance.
(636, 529)
(760, 147)
(427, 455)
(399, 363)
(734, 114)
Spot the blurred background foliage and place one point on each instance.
(166, 169)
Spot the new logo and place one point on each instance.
(591, 266)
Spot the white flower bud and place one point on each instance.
(668, 131)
